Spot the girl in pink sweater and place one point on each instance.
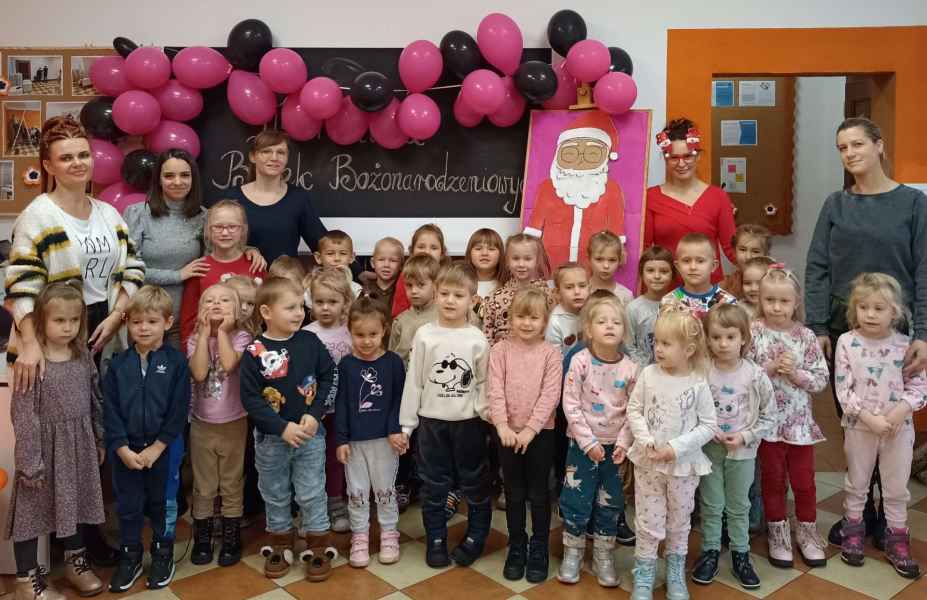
(524, 387)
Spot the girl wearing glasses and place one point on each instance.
(684, 203)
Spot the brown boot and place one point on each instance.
(278, 556)
(79, 575)
(318, 556)
(35, 586)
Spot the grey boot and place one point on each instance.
(644, 571)
(574, 548)
(676, 577)
(603, 560)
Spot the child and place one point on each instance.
(368, 436)
(146, 399)
(793, 360)
(387, 265)
(753, 272)
(749, 241)
(743, 397)
(57, 491)
(695, 261)
(418, 278)
(877, 401)
(524, 390)
(672, 415)
(444, 397)
(527, 264)
(571, 285)
(246, 288)
(606, 254)
(336, 250)
(331, 300)
(656, 272)
(225, 232)
(218, 423)
(290, 268)
(595, 401)
(484, 251)
(286, 375)
(427, 239)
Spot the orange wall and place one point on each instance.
(695, 55)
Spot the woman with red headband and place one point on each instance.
(684, 203)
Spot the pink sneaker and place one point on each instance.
(898, 552)
(389, 547)
(360, 550)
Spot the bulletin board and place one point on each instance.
(768, 175)
(39, 83)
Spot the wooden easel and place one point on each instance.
(584, 99)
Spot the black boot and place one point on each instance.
(231, 541)
(515, 561)
(202, 542)
(161, 572)
(436, 553)
(706, 567)
(743, 570)
(479, 522)
(128, 571)
(538, 561)
(100, 552)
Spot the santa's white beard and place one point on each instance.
(579, 188)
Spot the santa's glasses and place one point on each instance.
(590, 152)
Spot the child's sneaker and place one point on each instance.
(128, 569)
(810, 544)
(436, 555)
(898, 552)
(389, 547)
(851, 546)
(161, 572)
(360, 550)
(625, 535)
(706, 567)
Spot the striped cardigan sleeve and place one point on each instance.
(130, 273)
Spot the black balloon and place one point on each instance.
(138, 169)
(565, 28)
(97, 118)
(621, 61)
(536, 81)
(371, 91)
(124, 46)
(461, 53)
(248, 42)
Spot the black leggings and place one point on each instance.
(27, 552)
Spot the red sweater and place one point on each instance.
(667, 220)
(194, 287)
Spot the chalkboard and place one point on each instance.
(460, 172)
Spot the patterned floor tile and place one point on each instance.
(809, 586)
(876, 579)
(232, 583)
(345, 583)
(410, 570)
(458, 584)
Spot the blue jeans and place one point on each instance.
(281, 469)
(591, 491)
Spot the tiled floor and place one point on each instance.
(411, 578)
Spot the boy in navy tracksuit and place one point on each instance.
(146, 398)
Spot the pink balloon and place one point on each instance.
(321, 98)
(420, 66)
(465, 115)
(250, 98)
(178, 102)
(566, 89)
(384, 127)
(136, 112)
(171, 134)
(483, 91)
(348, 125)
(283, 70)
(148, 68)
(108, 75)
(513, 106)
(201, 67)
(501, 42)
(297, 122)
(588, 60)
(121, 195)
(107, 162)
(419, 117)
(615, 93)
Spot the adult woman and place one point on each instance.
(878, 225)
(279, 214)
(684, 203)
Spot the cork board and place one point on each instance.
(40, 83)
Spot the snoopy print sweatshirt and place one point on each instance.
(446, 379)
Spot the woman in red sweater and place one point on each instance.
(684, 203)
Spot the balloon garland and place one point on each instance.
(151, 94)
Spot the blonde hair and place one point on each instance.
(776, 274)
(391, 241)
(696, 238)
(606, 239)
(459, 274)
(336, 236)
(241, 283)
(151, 298)
(334, 280)
(543, 262)
(490, 237)
(289, 268)
(237, 314)
(211, 215)
(529, 300)
(729, 315)
(752, 230)
(421, 268)
(61, 291)
(677, 321)
(866, 284)
(592, 307)
(562, 269)
(272, 290)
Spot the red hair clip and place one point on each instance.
(778, 266)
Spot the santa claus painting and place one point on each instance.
(579, 199)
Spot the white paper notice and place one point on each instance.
(739, 133)
(757, 93)
(734, 175)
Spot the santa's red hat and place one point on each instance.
(596, 125)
